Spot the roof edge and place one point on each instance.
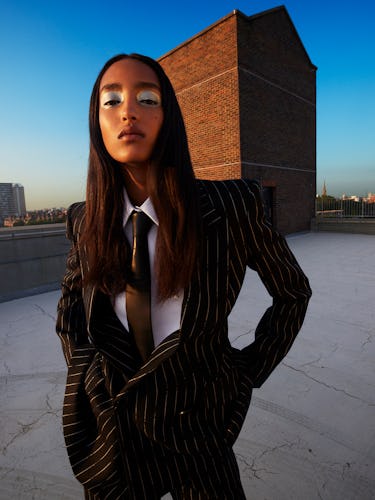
(239, 13)
(275, 9)
(200, 33)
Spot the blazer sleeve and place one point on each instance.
(270, 256)
(71, 321)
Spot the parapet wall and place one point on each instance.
(32, 259)
(344, 225)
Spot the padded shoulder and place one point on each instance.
(75, 218)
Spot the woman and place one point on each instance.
(142, 419)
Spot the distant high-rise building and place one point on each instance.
(7, 207)
(19, 199)
(12, 200)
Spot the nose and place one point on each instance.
(128, 112)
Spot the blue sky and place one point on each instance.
(51, 52)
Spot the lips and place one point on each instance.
(130, 133)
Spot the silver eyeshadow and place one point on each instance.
(145, 97)
(149, 97)
(111, 98)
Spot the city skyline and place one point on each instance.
(334, 193)
(58, 49)
(365, 196)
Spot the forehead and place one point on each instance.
(129, 72)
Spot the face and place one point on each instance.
(130, 111)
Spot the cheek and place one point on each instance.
(158, 121)
(105, 127)
(102, 123)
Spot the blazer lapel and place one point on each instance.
(88, 298)
(163, 351)
(196, 307)
(210, 214)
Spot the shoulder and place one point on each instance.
(231, 185)
(75, 217)
(238, 201)
(77, 209)
(232, 191)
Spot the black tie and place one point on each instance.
(138, 297)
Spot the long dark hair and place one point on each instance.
(172, 189)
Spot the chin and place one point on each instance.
(134, 163)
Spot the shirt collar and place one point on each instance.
(147, 207)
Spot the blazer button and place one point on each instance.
(185, 412)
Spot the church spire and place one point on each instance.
(324, 190)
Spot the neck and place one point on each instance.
(135, 179)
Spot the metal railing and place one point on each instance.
(328, 207)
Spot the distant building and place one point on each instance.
(19, 199)
(324, 190)
(12, 200)
(350, 198)
(246, 87)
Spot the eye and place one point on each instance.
(110, 99)
(149, 98)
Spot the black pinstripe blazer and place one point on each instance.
(194, 391)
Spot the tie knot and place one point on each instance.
(141, 223)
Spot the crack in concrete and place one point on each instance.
(313, 362)
(27, 484)
(4, 472)
(346, 468)
(7, 371)
(44, 312)
(255, 469)
(48, 403)
(278, 447)
(367, 341)
(320, 382)
(350, 323)
(51, 410)
(250, 467)
(242, 335)
(24, 429)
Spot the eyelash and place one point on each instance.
(113, 99)
(149, 102)
(112, 102)
(150, 98)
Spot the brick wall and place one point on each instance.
(204, 74)
(293, 204)
(246, 87)
(277, 115)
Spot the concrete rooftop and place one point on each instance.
(310, 430)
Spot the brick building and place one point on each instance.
(246, 87)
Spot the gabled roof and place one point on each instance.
(280, 8)
(237, 12)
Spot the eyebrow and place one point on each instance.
(139, 85)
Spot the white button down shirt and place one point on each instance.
(165, 316)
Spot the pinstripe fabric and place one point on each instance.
(138, 431)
